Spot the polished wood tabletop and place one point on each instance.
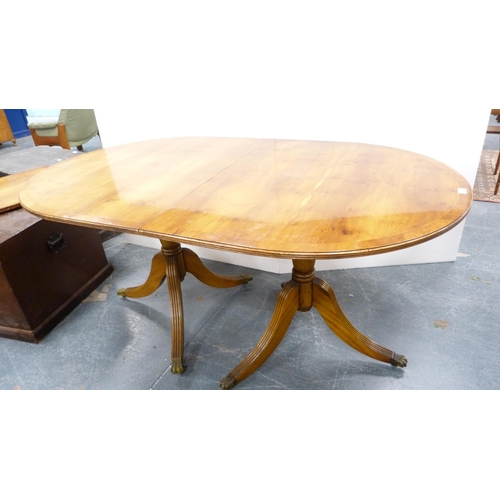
(10, 185)
(276, 198)
(299, 200)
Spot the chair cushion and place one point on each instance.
(40, 122)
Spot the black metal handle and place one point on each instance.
(56, 241)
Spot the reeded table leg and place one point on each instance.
(175, 273)
(195, 266)
(301, 293)
(326, 303)
(284, 312)
(172, 263)
(155, 279)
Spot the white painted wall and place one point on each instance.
(419, 76)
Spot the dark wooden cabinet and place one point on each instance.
(46, 270)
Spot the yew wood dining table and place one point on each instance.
(286, 199)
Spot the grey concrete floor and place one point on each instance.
(443, 317)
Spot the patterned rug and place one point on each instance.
(484, 186)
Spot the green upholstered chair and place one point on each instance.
(73, 127)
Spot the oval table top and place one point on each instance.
(277, 198)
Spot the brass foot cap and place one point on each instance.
(228, 382)
(399, 360)
(177, 366)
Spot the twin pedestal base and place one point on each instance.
(301, 293)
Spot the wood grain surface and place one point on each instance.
(10, 185)
(277, 198)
